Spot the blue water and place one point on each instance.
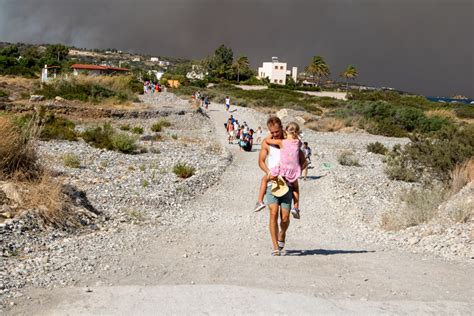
(450, 100)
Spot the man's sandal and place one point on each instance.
(281, 245)
(276, 253)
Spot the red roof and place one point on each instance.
(117, 68)
(96, 67)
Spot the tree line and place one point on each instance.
(223, 66)
(27, 60)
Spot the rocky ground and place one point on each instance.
(125, 190)
(157, 229)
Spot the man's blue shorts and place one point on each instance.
(284, 201)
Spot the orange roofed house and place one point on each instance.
(95, 70)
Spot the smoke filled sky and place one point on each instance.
(421, 46)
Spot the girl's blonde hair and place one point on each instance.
(293, 128)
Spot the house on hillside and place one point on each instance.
(197, 73)
(172, 83)
(154, 59)
(158, 74)
(276, 71)
(95, 70)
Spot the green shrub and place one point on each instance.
(100, 136)
(183, 170)
(71, 160)
(435, 155)
(384, 128)
(3, 93)
(93, 89)
(252, 81)
(156, 127)
(125, 127)
(199, 83)
(398, 169)
(174, 136)
(272, 97)
(123, 143)
(374, 95)
(137, 130)
(72, 90)
(408, 119)
(54, 127)
(347, 158)
(465, 111)
(164, 123)
(134, 85)
(327, 102)
(388, 119)
(377, 148)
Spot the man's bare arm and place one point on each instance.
(262, 156)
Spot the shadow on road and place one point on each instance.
(324, 252)
(313, 177)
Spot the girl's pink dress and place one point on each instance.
(289, 166)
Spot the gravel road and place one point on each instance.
(215, 257)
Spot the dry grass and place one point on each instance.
(18, 87)
(214, 149)
(189, 140)
(116, 83)
(326, 124)
(19, 81)
(267, 110)
(348, 158)
(33, 187)
(112, 103)
(462, 175)
(444, 113)
(47, 198)
(17, 153)
(420, 206)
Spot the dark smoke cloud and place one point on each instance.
(423, 46)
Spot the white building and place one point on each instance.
(276, 71)
(154, 59)
(196, 73)
(158, 74)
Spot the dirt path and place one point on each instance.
(220, 262)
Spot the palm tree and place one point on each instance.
(349, 73)
(318, 69)
(241, 62)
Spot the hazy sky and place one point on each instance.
(421, 46)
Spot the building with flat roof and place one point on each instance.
(276, 71)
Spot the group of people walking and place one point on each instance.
(201, 99)
(151, 87)
(242, 133)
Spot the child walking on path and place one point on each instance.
(289, 167)
(259, 135)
